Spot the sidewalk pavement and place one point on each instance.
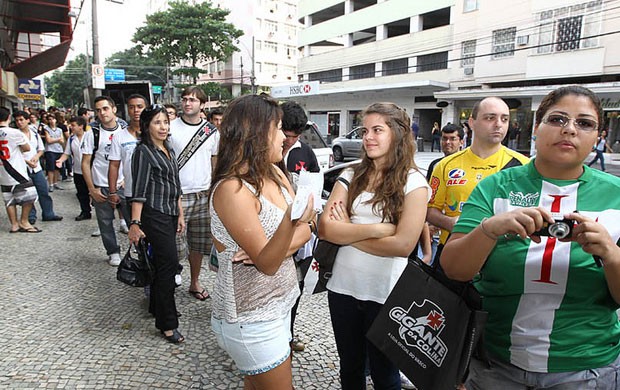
(68, 323)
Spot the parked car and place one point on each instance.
(312, 136)
(349, 145)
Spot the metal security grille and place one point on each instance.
(504, 42)
(569, 33)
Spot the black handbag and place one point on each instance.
(429, 327)
(325, 254)
(136, 269)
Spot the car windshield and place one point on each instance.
(313, 138)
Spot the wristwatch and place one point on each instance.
(135, 222)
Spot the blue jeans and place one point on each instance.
(505, 376)
(105, 219)
(45, 200)
(599, 156)
(351, 319)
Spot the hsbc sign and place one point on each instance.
(302, 89)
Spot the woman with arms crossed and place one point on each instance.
(552, 310)
(156, 213)
(377, 219)
(251, 214)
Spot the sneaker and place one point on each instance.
(50, 188)
(56, 186)
(122, 227)
(297, 345)
(405, 383)
(96, 233)
(82, 217)
(178, 280)
(115, 259)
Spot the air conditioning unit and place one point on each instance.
(469, 71)
(523, 40)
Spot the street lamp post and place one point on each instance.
(166, 82)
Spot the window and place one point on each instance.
(362, 72)
(399, 66)
(433, 61)
(570, 28)
(504, 42)
(270, 47)
(290, 30)
(270, 68)
(470, 5)
(326, 75)
(468, 54)
(271, 27)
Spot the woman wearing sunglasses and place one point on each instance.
(552, 300)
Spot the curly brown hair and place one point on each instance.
(244, 147)
(389, 192)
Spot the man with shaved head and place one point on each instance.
(456, 176)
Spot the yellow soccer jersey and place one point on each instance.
(456, 176)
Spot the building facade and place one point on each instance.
(435, 59)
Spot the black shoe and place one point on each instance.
(82, 217)
(32, 221)
(54, 218)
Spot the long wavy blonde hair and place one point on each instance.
(389, 191)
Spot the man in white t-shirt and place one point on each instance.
(17, 188)
(95, 152)
(32, 158)
(195, 178)
(123, 145)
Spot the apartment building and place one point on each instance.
(436, 59)
(357, 52)
(520, 50)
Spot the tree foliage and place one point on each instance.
(189, 33)
(66, 86)
(216, 92)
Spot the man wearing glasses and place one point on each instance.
(456, 176)
(197, 155)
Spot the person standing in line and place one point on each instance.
(215, 117)
(197, 154)
(157, 215)
(17, 188)
(298, 157)
(35, 172)
(54, 142)
(514, 133)
(451, 142)
(172, 111)
(121, 150)
(95, 151)
(73, 149)
(552, 301)
(455, 176)
(251, 201)
(600, 148)
(376, 213)
(435, 137)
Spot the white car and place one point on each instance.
(324, 155)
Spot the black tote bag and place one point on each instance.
(136, 269)
(429, 327)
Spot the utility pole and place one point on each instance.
(95, 41)
(252, 77)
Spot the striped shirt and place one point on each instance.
(156, 179)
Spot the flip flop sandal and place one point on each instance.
(200, 295)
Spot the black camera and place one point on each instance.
(561, 228)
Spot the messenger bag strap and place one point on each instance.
(199, 138)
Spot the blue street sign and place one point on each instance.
(111, 74)
(157, 89)
(29, 86)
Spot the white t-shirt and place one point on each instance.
(36, 145)
(54, 133)
(359, 274)
(74, 149)
(10, 142)
(123, 145)
(196, 174)
(100, 164)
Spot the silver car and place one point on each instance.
(349, 145)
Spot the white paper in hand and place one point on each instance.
(308, 183)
